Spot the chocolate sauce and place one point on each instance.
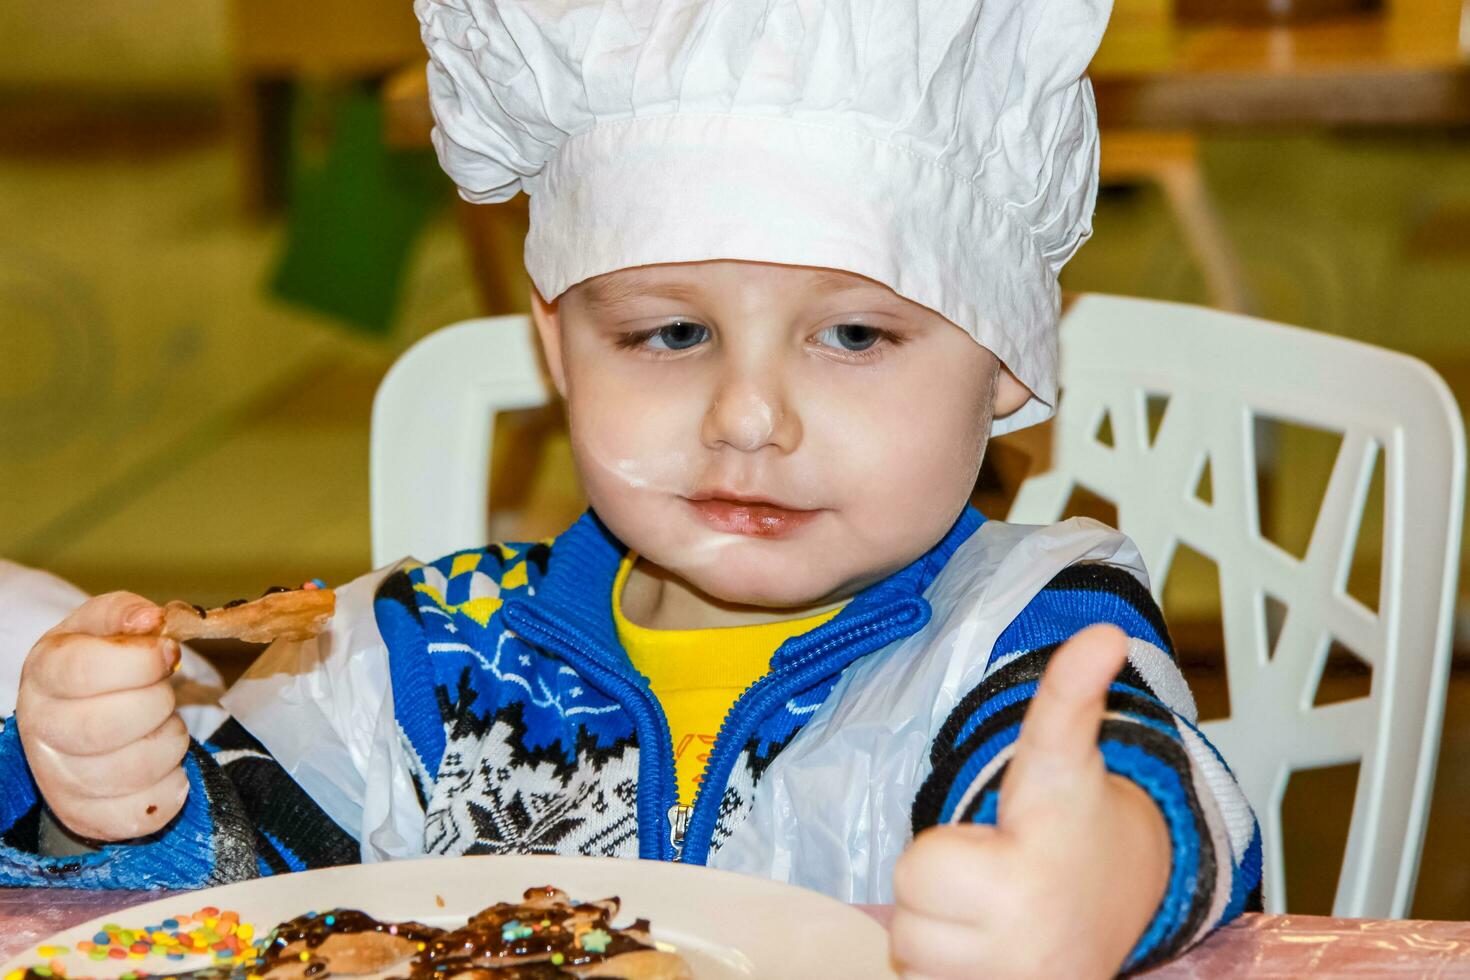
(204, 613)
(544, 936)
(533, 939)
(312, 929)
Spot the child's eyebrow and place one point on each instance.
(600, 295)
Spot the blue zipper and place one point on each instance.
(655, 767)
(774, 690)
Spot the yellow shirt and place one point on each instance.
(697, 675)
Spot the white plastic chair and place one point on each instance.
(433, 420)
(433, 424)
(1219, 371)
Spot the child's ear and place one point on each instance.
(547, 318)
(1010, 394)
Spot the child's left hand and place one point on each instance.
(1071, 874)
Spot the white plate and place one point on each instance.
(726, 925)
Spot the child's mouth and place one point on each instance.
(750, 517)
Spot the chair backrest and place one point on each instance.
(433, 423)
(431, 438)
(1220, 372)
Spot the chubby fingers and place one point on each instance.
(951, 872)
(1062, 722)
(131, 787)
(72, 666)
(112, 614)
(123, 771)
(944, 885)
(96, 725)
(923, 946)
(124, 817)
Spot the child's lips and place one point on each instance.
(752, 518)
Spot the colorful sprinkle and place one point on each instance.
(594, 940)
(557, 959)
(209, 931)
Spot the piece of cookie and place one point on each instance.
(279, 614)
(547, 934)
(342, 942)
(544, 936)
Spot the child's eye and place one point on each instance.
(675, 336)
(851, 337)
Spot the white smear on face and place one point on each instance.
(758, 423)
(667, 472)
(748, 426)
(629, 469)
(672, 473)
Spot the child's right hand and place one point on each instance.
(96, 716)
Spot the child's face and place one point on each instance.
(773, 435)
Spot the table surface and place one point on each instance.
(1257, 945)
(1407, 64)
(1144, 38)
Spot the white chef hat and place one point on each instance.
(945, 148)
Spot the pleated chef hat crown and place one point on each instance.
(945, 148)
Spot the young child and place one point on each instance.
(794, 263)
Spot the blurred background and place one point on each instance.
(220, 223)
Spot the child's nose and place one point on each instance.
(748, 417)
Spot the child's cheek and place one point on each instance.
(632, 439)
(907, 455)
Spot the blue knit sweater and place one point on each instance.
(529, 732)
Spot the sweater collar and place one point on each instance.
(578, 585)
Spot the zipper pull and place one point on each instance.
(678, 825)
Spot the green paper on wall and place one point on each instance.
(352, 221)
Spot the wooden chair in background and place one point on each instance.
(276, 44)
(1171, 160)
